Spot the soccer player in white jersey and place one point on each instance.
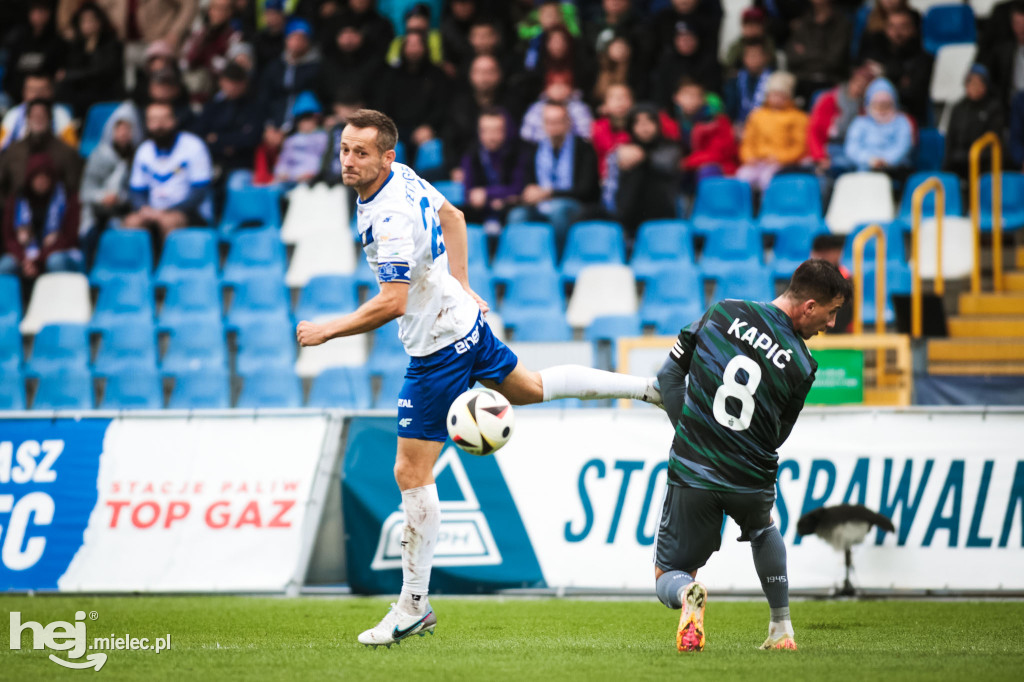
(416, 242)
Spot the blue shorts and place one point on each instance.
(434, 381)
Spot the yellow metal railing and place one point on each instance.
(859, 244)
(917, 203)
(980, 145)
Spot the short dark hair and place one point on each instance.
(818, 279)
(755, 42)
(44, 103)
(688, 82)
(387, 131)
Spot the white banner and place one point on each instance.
(589, 486)
(202, 504)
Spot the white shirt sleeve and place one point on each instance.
(396, 252)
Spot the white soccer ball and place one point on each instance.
(480, 421)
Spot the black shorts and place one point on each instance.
(692, 521)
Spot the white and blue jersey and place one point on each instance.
(442, 329)
(168, 176)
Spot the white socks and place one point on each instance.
(777, 628)
(419, 538)
(577, 381)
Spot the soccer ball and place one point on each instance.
(480, 421)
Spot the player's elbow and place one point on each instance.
(452, 213)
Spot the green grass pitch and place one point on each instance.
(245, 638)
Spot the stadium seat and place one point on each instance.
(252, 206)
(197, 346)
(720, 200)
(895, 249)
(205, 389)
(544, 325)
(271, 388)
(191, 301)
(476, 245)
(12, 391)
(982, 8)
(951, 66)
(930, 151)
(58, 346)
(95, 121)
(388, 353)
(259, 299)
(57, 297)
(10, 348)
(660, 241)
(530, 294)
(315, 209)
(947, 25)
(744, 282)
(482, 282)
(239, 179)
(792, 247)
(341, 388)
(10, 300)
(66, 389)
(794, 198)
(122, 254)
(729, 245)
(123, 300)
(523, 244)
(1013, 201)
(349, 351)
(400, 156)
(957, 248)
(126, 345)
(327, 252)
(327, 295)
(429, 156)
(256, 253)
(188, 254)
(612, 327)
(672, 300)
(133, 388)
(386, 397)
(265, 344)
(897, 281)
(454, 192)
(602, 290)
(593, 242)
(951, 184)
(859, 198)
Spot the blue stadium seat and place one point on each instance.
(544, 325)
(793, 198)
(523, 244)
(950, 182)
(672, 299)
(930, 151)
(895, 249)
(532, 293)
(476, 242)
(133, 388)
(239, 179)
(265, 344)
(731, 244)
(259, 299)
(256, 253)
(745, 282)
(429, 156)
(196, 347)
(327, 295)
(390, 386)
(12, 391)
(388, 353)
(341, 388)
(897, 281)
(946, 25)
(252, 206)
(454, 192)
(58, 346)
(66, 389)
(122, 254)
(482, 282)
(721, 200)
(188, 254)
(658, 242)
(10, 301)
(612, 327)
(271, 388)
(191, 301)
(1013, 201)
(400, 156)
(10, 348)
(205, 389)
(123, 300)
(126, 346)
(95, 120)
(592, 242)
(792, 247)
(365, 277)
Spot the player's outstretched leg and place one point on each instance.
(690, 636)
(769, 552)
(586, 383)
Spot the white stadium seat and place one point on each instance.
(983, 8)
(326, 252)
(860, 198)
(923, 6)
(957, 248)
(58, 297)
(314, 209)
(348, 351)
(602, 290)
(538, 354)
(732, 12)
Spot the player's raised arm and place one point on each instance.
(453, 228)
(376, 312)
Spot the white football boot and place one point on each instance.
(398, 625)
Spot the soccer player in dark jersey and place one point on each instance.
(749, 372)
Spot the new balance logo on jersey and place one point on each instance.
(404, 402)
(404, 423)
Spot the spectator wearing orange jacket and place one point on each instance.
(775, 135)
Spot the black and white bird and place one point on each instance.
(843, 526)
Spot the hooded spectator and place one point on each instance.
(979, 112)
(883, 139)
(303, 150)
(105, 190)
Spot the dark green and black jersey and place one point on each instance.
(749, 373)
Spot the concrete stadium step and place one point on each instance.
(976, 350)
(1007, 303)
(974, 326)
(977, 368)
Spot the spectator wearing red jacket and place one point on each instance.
(611, 129)
(708, 142)
(831, 116)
